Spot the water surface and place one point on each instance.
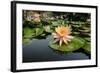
(38, 51)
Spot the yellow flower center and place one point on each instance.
(63, 31)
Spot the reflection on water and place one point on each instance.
(37, 51)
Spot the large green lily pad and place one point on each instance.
(74, 45)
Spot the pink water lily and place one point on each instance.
(62, 34)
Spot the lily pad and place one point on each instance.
(87, 47)
(28, 32)
(47, 29)
(87, 39)
(76, 26)
(38, 31)
(55, 23)
(32, 32)
(74, 45)
(26, 41)
(76, 33)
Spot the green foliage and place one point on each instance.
(60, 22)
(74, 45)
(47, 26)
(48, 29)
(38, 31)
(87, 47)
(54, 23)
(28, 32)
(27, 23)
(26, 41)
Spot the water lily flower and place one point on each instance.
(36, 17)
(62, 34)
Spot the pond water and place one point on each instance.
(38, 51)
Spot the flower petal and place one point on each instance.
(60, 42)
(69, 37)
(56, 40)
(54, 34)
(65, 40)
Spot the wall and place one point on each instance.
(5, 36)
